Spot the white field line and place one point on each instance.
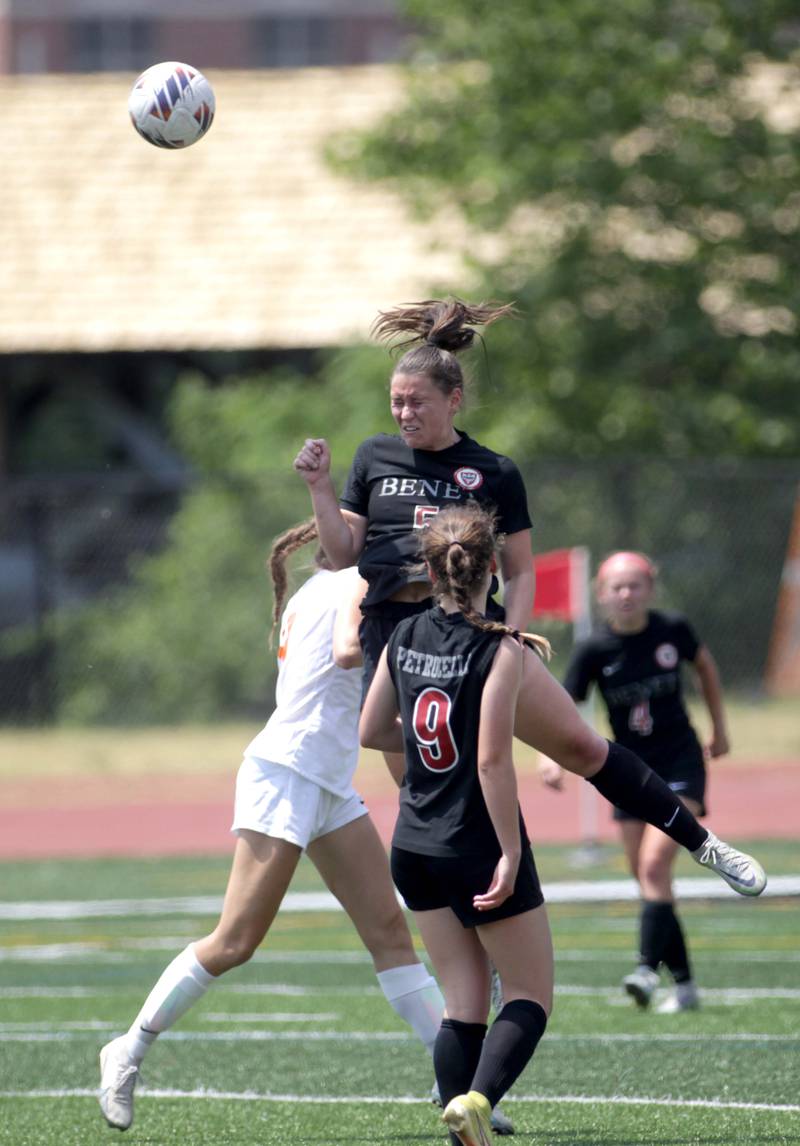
(48, 1028)
(22, 1032)
(51, 993)
(411, 1100)
(580, 955)
(98, 952)
(711, 994)
(721, 996)
(271, 1017)
(292, 990)
(277, 989)
(572, 891)
(726, 996)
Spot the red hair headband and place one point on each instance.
(637, 560)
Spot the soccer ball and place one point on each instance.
(171, 105)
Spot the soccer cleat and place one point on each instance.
(499, 1122)
(641, 984)
(741, 871)
(467, 1116)
(683, 998)
(118, 1077)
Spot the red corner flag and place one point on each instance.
(562, 585)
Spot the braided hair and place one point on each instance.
(282, 547)
(458, 545)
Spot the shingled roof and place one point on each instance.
(245, 240)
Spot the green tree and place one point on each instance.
(186, 638)
(629, 174)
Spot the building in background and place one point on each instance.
(39, 36)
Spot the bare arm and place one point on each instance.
(516, 564)
(396, 763)
(346, 645)
(496, 768)
(379, 726)
(341, 533)
(710, 686)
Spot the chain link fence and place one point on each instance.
(124, 600)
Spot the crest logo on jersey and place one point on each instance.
(468, 478)
(666, 656)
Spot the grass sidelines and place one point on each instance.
(299, 1046)
(762, 731)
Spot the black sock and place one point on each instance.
(508, 1048)
(456, 1053)
(676, 956)
(655, 928)
(628, 782)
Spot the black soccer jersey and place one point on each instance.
(439, 663)
(398, 489)
(639, 678)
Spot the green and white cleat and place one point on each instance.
(640, 985)
(743, 873)
(683, 998)
(118, 1077)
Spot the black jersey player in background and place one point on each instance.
(635, 661)
(398, 483)
(461, 858)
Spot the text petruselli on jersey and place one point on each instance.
(431, 664)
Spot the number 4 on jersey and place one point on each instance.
(437, 748)
(640, 719)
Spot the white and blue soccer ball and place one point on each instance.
(172, 105)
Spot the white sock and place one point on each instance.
(414, 994)
(181, 984)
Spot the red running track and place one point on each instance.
(91, 816)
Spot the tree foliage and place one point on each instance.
(186, 638)
(629, 174)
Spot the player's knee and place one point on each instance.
(582, 750)
(654, 874)
(234, 950)
(388, 934)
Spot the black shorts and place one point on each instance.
(378, 622)
(430, 882)
(685, 775)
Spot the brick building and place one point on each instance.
(114, 35)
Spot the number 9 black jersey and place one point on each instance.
(439, 664)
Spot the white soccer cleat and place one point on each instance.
(685, 997)
(741, 871)
(641, 984)
(118, 1077)
(499, 1122)
(467, 1116)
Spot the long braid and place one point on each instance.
(282, 547)
(458, 545)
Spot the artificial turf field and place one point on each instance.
(299, 1046)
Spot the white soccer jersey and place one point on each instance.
(314, 728)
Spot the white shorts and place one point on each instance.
(277, 801)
